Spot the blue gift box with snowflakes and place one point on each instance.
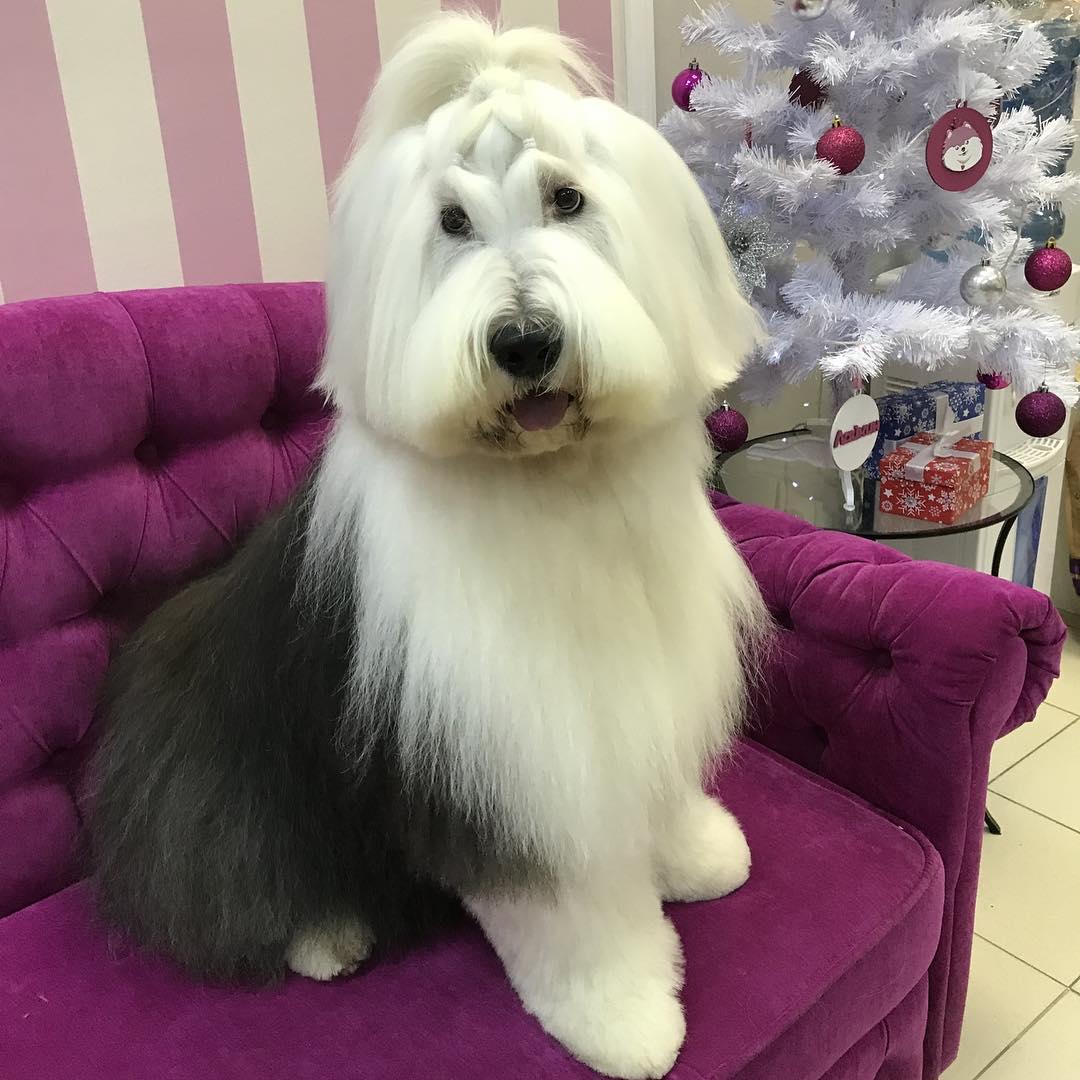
(939, 406)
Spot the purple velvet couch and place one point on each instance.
(142, 435)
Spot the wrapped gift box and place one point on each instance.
(924, 479)
(938, 406)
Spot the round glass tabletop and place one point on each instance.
(793, 471)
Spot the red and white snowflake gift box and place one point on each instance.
(934, 478)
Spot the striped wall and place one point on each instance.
(160, 142)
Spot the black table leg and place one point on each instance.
(999, 547)
(992, 827)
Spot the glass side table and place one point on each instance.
(793, 471)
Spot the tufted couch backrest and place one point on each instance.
(142, 435)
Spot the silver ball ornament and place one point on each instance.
(983, 286)
(809, 9)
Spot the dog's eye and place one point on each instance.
(568, 201)
(454, 220)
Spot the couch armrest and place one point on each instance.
(892, 678)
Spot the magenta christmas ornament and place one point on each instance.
(1040, 413)
(842, 147)
(959, 148)
(684, 84)
(806, 91)
(993, 380)
(1048, 268)
(727, 428)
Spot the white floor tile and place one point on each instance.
(1049, 720)
(1004, 996)
(1048, 780)
(1028, 886)
(1050, 1050)
(1065, 691)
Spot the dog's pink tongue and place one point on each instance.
(541, 411)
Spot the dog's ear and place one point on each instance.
(441, 59)
(727, 326)
(712, 322)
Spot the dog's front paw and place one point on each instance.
(621, 1029)
(327, 951)
(701, 852)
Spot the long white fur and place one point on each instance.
(568, 615)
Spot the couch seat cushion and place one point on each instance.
(837, 924)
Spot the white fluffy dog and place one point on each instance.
(537, 624)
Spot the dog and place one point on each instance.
(481, 659)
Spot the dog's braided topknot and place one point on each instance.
(455, 54)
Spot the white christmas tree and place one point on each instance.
(855, 269)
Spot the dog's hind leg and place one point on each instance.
(327, 950)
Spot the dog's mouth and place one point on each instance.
(540, 410)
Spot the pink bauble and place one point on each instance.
(842, 147)
(806, 91)
(684, 83)
(1048, 268)
(727, 428)
(993, 380)
(1040, 413)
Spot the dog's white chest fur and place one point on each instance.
(568, 635)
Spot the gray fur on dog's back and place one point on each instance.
(225, 816)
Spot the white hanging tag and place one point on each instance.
(854, 431)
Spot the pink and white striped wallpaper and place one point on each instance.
(160, 142)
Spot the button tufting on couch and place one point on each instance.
(131, 455)
(143, 434)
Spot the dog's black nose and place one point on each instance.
(526, 352)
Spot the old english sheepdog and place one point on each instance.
(483, 655)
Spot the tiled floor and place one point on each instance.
(1023, 1010)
